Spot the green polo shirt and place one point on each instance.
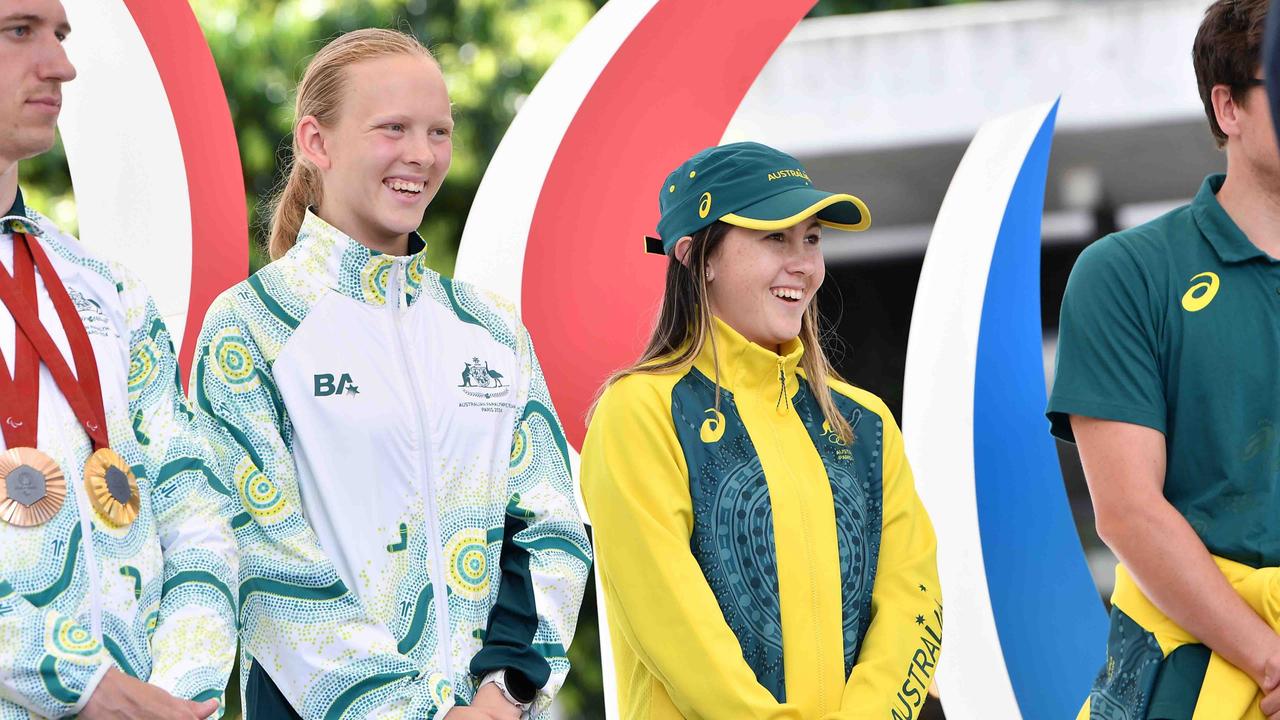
(1175, 325)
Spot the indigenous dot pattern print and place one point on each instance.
(156, 597)
(461, 543)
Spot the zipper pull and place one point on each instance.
(784, 403)
(402, 272)
(393, 286)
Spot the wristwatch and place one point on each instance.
(514, 687)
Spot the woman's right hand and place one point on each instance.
(120, 697)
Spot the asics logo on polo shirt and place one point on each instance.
(713, 427)
(325, 385)
(1199, 295)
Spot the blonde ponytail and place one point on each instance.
(301, 190)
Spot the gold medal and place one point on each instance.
(33, 486)
(112, 489)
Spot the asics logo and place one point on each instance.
(1199, 295)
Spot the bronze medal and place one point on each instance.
(112, 489)
(33, 485)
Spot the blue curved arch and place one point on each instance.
(1051, 624)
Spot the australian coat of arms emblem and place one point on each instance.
(478, 380)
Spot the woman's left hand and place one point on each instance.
(491, 700)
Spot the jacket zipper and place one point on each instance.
(444, 639)
(782, 412)
(784, 403)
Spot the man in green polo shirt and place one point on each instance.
(1168, 380)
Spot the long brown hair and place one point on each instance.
(684, 328)
(320, 94)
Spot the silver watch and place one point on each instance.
(499, 678)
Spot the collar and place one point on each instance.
(749, 369)
(1227, 239)
(353, 269)
(16, 218)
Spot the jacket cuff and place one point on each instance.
(90, 685)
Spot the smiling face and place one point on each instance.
(762, 281)
(384, 159)
(35, 66)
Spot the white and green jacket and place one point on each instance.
(155, 598)
(409, 521)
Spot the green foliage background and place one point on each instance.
(493, 52)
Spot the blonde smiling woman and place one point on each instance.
(411, 544)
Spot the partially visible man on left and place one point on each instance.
(117, 560)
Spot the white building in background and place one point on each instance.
(884, 104)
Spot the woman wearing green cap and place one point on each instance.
(761, 545)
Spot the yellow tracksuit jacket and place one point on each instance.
(755, 565)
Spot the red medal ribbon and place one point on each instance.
(20, 396)
(19, 422)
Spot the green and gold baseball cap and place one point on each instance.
(749, 185)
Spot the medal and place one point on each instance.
(113, 491)
(32, 488)
(33, 484)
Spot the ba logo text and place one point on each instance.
(344, 385)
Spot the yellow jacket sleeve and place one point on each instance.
(899, 654)
(636, 488)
